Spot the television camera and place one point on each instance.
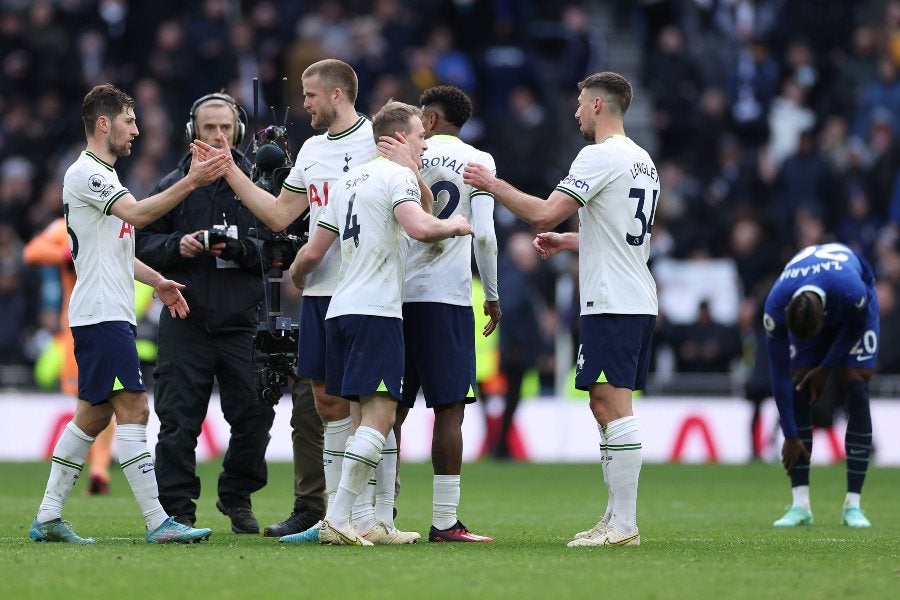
(275, 344)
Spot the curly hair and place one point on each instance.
(453, 101)
(804, 315)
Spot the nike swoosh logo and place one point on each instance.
(861, 303)
(307, 167)
(863, 358)
(606, 542)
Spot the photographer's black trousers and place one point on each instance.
(189, 360)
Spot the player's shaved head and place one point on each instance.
(805, 315)
(335, 74)
(612, 87)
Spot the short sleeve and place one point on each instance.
(404, 187)
(590, 172)
(99, 189)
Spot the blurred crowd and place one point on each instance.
(775, 124)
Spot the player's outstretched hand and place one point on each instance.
(815, 381)
(492, 310)
(207, 163)
(793, 451)
(547, 244)
(170, 293)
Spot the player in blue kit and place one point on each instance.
(822, 313)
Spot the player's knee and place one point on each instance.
(332, 408)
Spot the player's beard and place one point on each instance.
(589, 133)
(118, 146)
(323, 118)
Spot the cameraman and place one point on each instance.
(225, 290)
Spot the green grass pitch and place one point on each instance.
(706, 533)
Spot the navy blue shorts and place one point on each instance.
(311, 345)
(811, 352)
(440, 353)
(107, 360)
(614, 349)
(365, 355)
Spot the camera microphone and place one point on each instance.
(269, 157)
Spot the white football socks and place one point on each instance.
(385, 481)
(137, 465)
(445, 501)
(623, 472)
(800, 496)
(360, 459)
(337, 435)
(65, 467)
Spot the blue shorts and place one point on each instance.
(440, 353)
(811, 352)
(365, 355)
(311, 345)
(614, 349)
(107, 360)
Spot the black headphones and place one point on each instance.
(190, 128)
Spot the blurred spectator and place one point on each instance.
(752, 251)
(884, 159)
(789, 117)
(13, 306)
(858, 227)
(16, 194)
(521, 338)
(705, 346)
(674, 82)
(804, 180)
(751, 84)
(521, 136)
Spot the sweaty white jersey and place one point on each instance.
(442, 271)
(617, 186)
(361, 212)
(102, 244)
(320, 162)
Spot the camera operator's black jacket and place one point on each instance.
(220, 300)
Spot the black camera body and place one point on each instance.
(214, 235)
(275, 344)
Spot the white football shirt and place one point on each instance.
(442, 271)
(321, 161)
(361, 212)
(617, 186)
(102, 244)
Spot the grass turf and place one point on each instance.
(705, 531)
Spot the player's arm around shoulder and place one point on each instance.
(424, 227)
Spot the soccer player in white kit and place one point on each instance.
(329, 90)
(100, 216)
(438, 321)
(370, 209)
(614, 186)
